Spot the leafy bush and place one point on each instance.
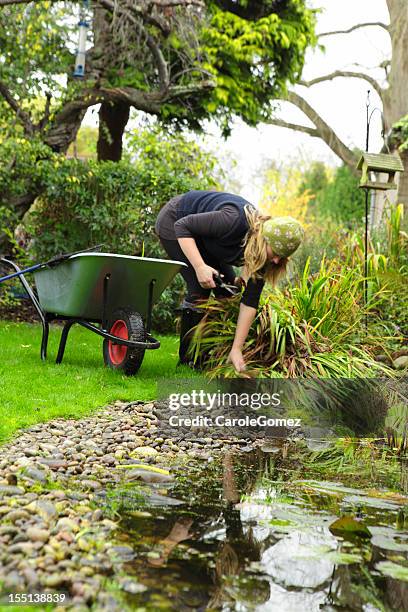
(311, 328)
(87, 203)
(22, 164)
(338, 197)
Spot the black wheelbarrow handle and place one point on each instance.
(151, 343)
(51, 262)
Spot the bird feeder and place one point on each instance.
(375, 164)
(379, 163)
(83, 25)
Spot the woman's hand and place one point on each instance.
(205, 275)
(239, 282)
(237, 359)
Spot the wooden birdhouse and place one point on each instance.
(379, 163)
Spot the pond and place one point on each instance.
(249, 531)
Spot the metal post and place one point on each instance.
(367, 193)
(105, 301)
(150, 305)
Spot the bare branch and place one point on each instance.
(346, 74)
(184, 90)
(20, 113)
(141, 100)
(171, 3)
(155, 50)
(9, 2)
(326, 133)
(45, 118)
(294, 126)
(151, 43)
(380, 24)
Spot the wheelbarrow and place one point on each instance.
(111, 295)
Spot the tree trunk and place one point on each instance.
(396, 96)
(113, 118)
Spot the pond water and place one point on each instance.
(241, 533)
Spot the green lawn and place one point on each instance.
(32, 391)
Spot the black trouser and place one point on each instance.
(194, 290)
(190, 316)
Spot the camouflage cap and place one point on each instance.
(283, 234)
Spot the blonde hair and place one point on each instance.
(256, 259)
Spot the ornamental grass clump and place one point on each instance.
(312, 328)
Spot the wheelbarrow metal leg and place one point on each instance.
(63, 341)
(44, 339)
(36, 304)
(150, 306)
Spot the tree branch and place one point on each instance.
(380, 24)
(325, 132)
(171, 3)
(294, 126)
(346, 74)
(45, 118)
(9, 2)
(65, 121)
(20, 113)
(154, 48)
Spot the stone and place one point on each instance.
(35, 534)
(30, 576)
(8, 530)
(35, 474)
(132, 587)
(148, 476)
(91, 484)
(67, 524)
(122, 553)
(6, 490)
(53, 464)
(30, 452)
(144, 451)
(400, 363)
(45, 509)
(25, 548)
(17, 515)
(54, 580)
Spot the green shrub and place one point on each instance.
(312, 328)
(337, 197)
(84, 203)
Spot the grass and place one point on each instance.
(32, 391)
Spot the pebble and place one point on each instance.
(35, 474)
(61, 539)
(17, 515)
(45, 509)
(145, 451)
(38, 535)
(7, 490)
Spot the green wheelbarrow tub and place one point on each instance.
(75, 288)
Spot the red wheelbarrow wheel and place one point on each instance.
(126, 324)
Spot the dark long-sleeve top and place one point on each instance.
(214, 234)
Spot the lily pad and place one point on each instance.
(396, 542)
(393, 570)
(143, 466)
(148, 477)
(343, 558)
(373, 502)
(331, 488)
(349, 525)
(155, 499)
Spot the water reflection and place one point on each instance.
(249, 536)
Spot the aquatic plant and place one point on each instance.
(312, 328)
